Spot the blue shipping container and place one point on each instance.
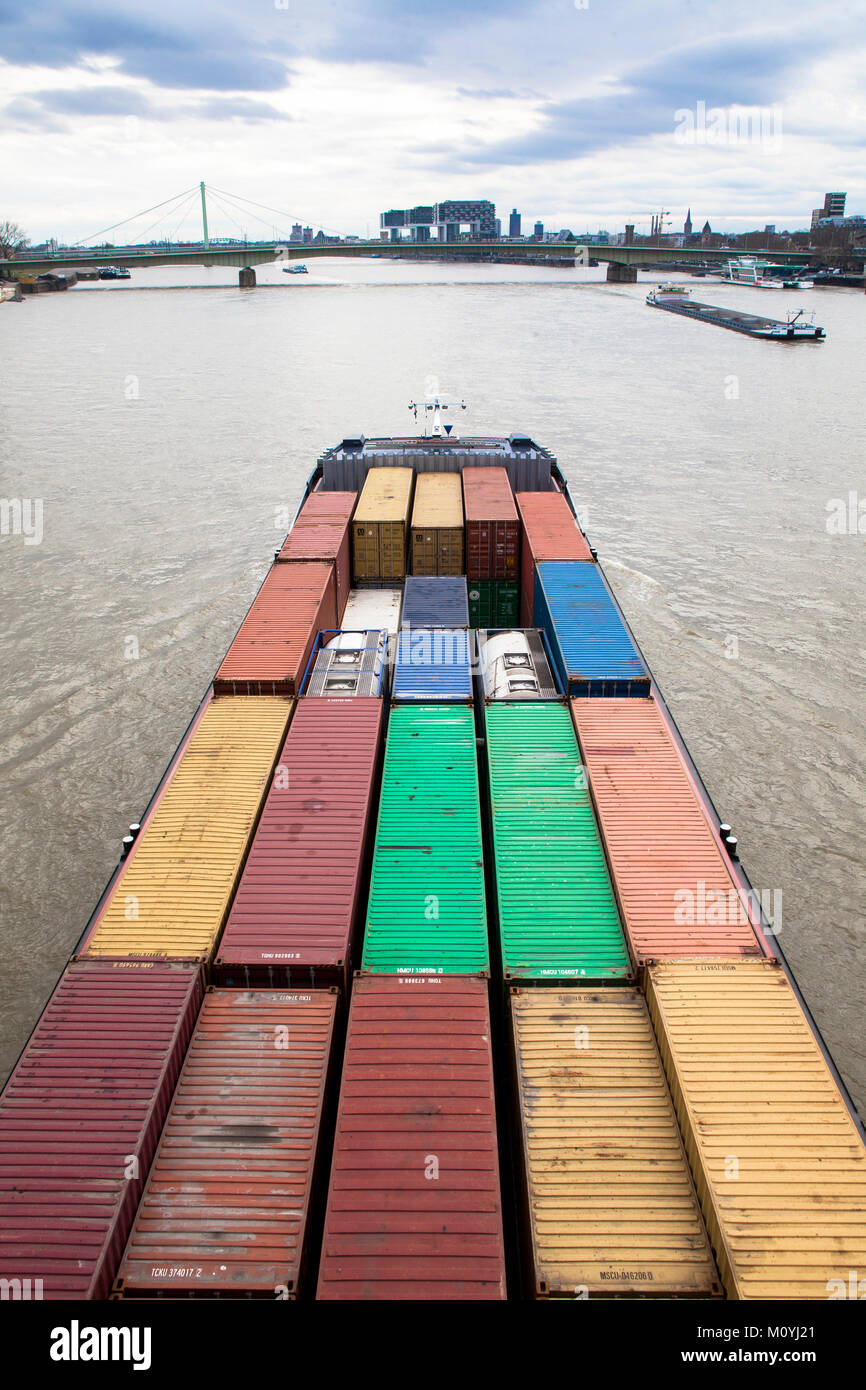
(440, 602)
(593, 652)
(433, 664)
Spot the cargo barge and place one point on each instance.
(431, 971)
(795, 328)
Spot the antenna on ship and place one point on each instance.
(435, 405)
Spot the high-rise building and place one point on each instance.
(447, 217)
(514, 223)
(497, 228)
(834, 204)
(297, 232)
(538, 230)
(308, 235)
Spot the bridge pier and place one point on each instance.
(621, 274)
(247, 278)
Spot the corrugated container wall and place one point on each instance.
(323, 531)
(227, 1202)
(380, 525)
(437, 524)
(557, 913)
(426, 911)
(433, 664)
(610, 1207)
(492, 525)
(493, 603)
(171, 897)
(675, 889)
(779, 1165)
(414, 1207)
(80, 1118)
(429, 602)
(549, 531)
(273, 643)
(593, 651)
(294, 916)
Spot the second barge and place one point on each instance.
(794, 329)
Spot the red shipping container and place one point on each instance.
(80, 1117)
(549, 531)
(492, 525)
(294, 914)
(273, 643)
(414, 1207)
(322, 531)
(227, 1202)
(673, 883)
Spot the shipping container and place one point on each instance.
(226, 1207)
(323, 531)
(273, 643)
(778, 1162)
(609, 1208)
(493, 603)
(380, 528)
(437, 525)
(514, 665)
(549, 531)
(294, 915)
(347, 664)
(80, 1117)
(435, 602)
(426, 910)
(171, 896)
(557, 913)
(374, 608)
(675, 889)
(433, 664)
(414, 1206)
(492, 527)
(591, 646)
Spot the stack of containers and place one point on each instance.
(675, 888)
(492, 548)
(294, 917)
(171, 896)
(549, 531)
(434, 651)
(226, 1209)
(437, 525)
(380, 528)
(591, 646)
(270, 651)
(414, 1205)
(557, 914)
(80, 1118)
(323, 531)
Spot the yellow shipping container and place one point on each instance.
(437, 525)
(380, 524)
(778, 1162)
(611, 1206)
(173, 894)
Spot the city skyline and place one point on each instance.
(603, 116)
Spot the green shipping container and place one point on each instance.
(426, 914)
(494, 603)
(558, 917)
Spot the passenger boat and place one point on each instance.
(295, 270)
(431, 970)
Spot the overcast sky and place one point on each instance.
(584, 113)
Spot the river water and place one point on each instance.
(167, 424)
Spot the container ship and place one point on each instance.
(430, 971)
